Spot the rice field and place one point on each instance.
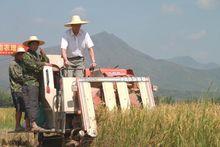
(7, 120)
(195, 124)
(182, 124)
(7, 123)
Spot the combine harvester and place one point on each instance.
(70, 103)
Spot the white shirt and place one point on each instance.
(75, 45)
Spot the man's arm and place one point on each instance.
(31, 64)
(64, 45)
(43, 56)
(92, 57)
(90, 45)
(63, 54)
(15, 73)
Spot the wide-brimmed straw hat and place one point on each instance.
(20, 49)
(75, 20)
(33, 38)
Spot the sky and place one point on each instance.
(160, 28)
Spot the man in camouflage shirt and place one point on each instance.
(33, 67)
(16, 82)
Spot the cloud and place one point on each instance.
(198, 35)
(208, 4)
(171, 8)
(79, 11)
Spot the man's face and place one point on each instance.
(33, 45)
(76, 28)
(19, 56)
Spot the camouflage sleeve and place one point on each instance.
(31, 64)
(15, 72)
(44, 58)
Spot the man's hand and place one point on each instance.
(66, 63)
(47, 64)
(92, 66)
(42, 52)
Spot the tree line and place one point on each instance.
(5, 98)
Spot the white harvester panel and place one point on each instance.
(87, 108)
(69, 85)
(109, 95)
(123, 95)
(146, 94)
(151, 102)
(49, 90)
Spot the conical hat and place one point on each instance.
(75, 20)
(33, 38)
(20, 49)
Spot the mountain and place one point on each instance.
(190, 62)
(111, 51)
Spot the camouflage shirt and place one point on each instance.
(16, 76)
(33, 66)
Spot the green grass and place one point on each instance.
(182, 124)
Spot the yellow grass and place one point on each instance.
(7, 119)
(193, 124)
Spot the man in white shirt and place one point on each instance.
(73, 45)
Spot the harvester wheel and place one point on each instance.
(86, 141)
(53, 141)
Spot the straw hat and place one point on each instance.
(33, 38)
(75, 20)
(19, 50)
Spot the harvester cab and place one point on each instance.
(70, 103)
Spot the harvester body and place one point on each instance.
(70, 103)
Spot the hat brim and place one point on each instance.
(16, 53)
(28, 41)
(72, 23)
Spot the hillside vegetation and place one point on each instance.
(5, 98)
